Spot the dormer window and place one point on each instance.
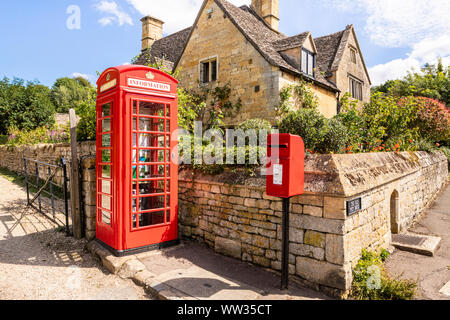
(308, 63)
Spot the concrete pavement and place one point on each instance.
(433, 272)
(191, 271)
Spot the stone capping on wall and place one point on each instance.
(340, 175)
(351, 174)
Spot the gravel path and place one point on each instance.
(38, 262)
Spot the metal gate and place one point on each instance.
(45, 195)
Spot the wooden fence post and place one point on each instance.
(75, 178)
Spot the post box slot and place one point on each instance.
(281, 146)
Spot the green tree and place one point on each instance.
(433, 81)
(68, 93)
(24, 106)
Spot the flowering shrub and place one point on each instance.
(432, 117)
(54, 134)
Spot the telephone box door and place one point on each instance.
(153, 216)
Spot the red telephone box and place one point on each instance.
(137, 179)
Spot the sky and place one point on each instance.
(48, 39)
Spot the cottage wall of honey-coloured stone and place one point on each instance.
(251, 77)
(348, 68)
(327, 99)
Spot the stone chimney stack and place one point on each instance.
(152, 30)
(269, 10)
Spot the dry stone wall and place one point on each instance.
(11, 158)
(325, 243)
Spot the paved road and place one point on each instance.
(37, 262)
(433, 272)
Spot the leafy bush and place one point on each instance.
(87, 124)
(54, 134)
(432, 119)
(24, 106)
(372, 282)
(256, 124)
(319, 134)
(3, 139)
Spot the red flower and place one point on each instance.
(438, 145)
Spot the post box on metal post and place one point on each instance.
(285, 179)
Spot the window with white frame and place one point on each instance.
(308, 62)
(355, 88)
(208, 70)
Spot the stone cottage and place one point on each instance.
(244, 47)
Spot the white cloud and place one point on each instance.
(425, 51)
(401, 22)
(114, 13)
(177, 14)
(82, 75)
(421, 25)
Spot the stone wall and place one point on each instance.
(12, 159)
(243, 222)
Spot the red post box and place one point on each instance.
(285, 179)
(137, 181)
(286, 165)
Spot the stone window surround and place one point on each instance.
(353, 53)
(204, 60)
(355, 79)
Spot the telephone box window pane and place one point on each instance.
(144, 140)
(167, 141)
(151, 156)
(106, 125)
(168, 110)
(168, 186)
(134, 156)
(106, 156)
(106, 140)
(151, 124)
(168, 201)
(106, 202)
(151, 171)
(152, 187)
(151, 219)
(168, 125)
(134, 139)
(106, 217)
(106, 110)
(105, 187)
(168, 171)
(134, 123)
(134, 221)
(151, 203)
(168, 216)
(134, 107)
(151, 109)
(134, 204)
(106, 172)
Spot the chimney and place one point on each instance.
(152, 30)
(268, 10)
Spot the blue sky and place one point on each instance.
(37, 44)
